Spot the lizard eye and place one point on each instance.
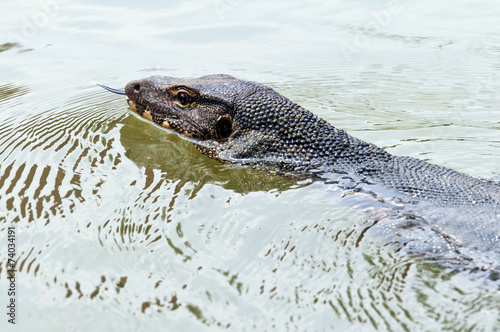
(183, 98)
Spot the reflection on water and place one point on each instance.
(122, 226)
(11, 91)
(178, 160)
(7, 46)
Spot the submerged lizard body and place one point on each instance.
(241, 122)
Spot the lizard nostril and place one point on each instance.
(137, 87)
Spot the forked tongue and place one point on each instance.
(120, 92)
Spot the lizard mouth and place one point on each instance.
(171, 123)
(132, 105)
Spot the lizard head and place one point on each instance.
(202, 108)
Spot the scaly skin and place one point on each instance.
(236, 121)
(241, 122)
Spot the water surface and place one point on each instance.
(123, 226)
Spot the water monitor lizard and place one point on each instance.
(242, 122)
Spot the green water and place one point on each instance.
(123, 226)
